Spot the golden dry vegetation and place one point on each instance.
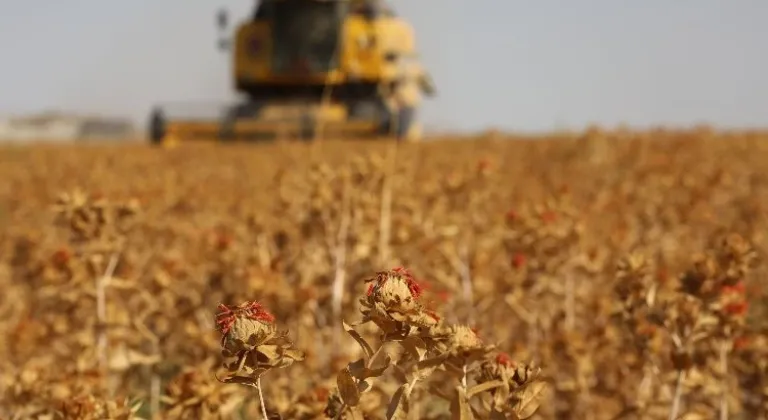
(600, 276)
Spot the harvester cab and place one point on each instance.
(312, 68)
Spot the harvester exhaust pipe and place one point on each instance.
(222, 23)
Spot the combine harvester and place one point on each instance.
(309, 69)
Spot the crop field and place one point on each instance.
(600, 275)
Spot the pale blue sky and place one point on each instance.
(512, 64)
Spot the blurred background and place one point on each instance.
(509, 65)
(629, 264)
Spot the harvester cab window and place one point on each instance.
(306, 34)
(373, 9)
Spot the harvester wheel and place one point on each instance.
(307, 132)
(239, 112)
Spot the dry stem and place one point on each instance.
(101, 311)
(724, 381)
(570, 302)
(466, 282)
(154, 396)
(340, 257)
(385, 221)
(261, 398)
(674, 412)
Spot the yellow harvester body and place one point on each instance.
(314, 68)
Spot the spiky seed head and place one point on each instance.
(502, 366)
(245, 326)
(464, 338)
(395, 288)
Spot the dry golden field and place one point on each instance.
(608, 275)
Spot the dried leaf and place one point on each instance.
(360, 340)
(356, 413)
(415, 346)
(294, 354)
(431, 362)
(485, 386)
(399, 374)
(460, 409)
(242, 380)
(269, 351)
(360, 371)
(348, 389)
(399, 406)
(379, 359)
(529, 398)
(501, 396)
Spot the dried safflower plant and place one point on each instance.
(514, 388)
(392, 302)
(250, 337)
(193, 394)
(701, 319)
